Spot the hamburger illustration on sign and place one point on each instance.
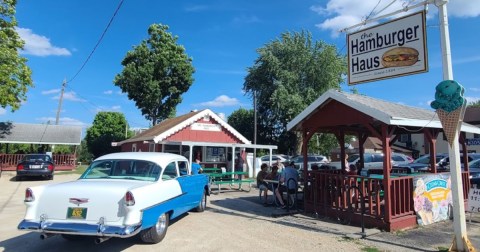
(400, 56)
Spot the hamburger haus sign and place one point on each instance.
(388, 50)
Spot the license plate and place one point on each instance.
(35, 166)
(77, 213)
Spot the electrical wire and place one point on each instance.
(98, 42)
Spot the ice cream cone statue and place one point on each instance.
(450, 105)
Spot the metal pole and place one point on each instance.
(254, 132)
(459, 222)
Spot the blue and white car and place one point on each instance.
(119, 195)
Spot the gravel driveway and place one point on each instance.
(229, 224)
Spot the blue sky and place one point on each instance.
(222, 37)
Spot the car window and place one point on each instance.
(352, 158)
(298, 159)
(265, 159)
(170, 171)
(182, 167)
(475, 164)
(312, 159)
(123, 169)
(377, 158)
(398, 158)
(368, 158)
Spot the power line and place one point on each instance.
(98, 42)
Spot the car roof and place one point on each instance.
(157, 157)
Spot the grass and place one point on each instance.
(78, 170)
(442, 249)
(370, 249)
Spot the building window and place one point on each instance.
(404, 138)
(476, 135)
(134, 147)
(215, 154)
(151, 147)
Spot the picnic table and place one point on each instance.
(229, 178)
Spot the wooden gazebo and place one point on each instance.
(388, 200)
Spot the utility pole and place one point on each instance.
(60, 101)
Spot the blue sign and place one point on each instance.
(473, 141)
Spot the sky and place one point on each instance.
(222, 37)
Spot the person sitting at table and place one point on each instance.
(262, 185)
(273, 175)
(352, 170)
(289, 173)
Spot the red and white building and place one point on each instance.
(198, 134)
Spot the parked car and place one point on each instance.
(35, 165)
(442, 162)
(284, 159)
(474, 169)
(311, 160)
(398, 159)
(119, 195)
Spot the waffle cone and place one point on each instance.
(450, 122)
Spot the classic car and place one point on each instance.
(119, 195)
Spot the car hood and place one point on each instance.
(102, 198)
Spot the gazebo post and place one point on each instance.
(362, 138)
(431, 136)
(386, 172)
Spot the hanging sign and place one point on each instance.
(388, 50)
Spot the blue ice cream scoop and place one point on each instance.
(448, 96)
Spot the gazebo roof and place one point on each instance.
(378, 110)
(40, 133)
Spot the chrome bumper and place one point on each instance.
(80, 229)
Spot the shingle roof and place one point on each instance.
(40, 133)
(387, 112)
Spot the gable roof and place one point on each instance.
(168, 127)
(40, 133)
(387, 112)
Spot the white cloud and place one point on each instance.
(51, 91)
(115, 108)
(108, 92)
(472, 99)
(340, 14)
(246, 19)
(69, 96)
(39, 45)
(62, 121)
(196, 8)
(464, 8)
(221, 101)
(3, 111)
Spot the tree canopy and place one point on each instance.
(15, 75)
(474, 103)
(156, 73)
(289, 74)
(107, 127)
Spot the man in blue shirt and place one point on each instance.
(289, 173)
(196, 167)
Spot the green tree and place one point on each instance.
(156, 73)
(15, 75)
(107, 127)
(242, 121)
(82, 154)
(474, 103)
(289, 74)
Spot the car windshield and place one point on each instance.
(352, 158)
(123, 169)
(426, 159)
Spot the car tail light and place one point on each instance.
(50, 167)
(19, 167)
(29, 195)
(129, 199)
